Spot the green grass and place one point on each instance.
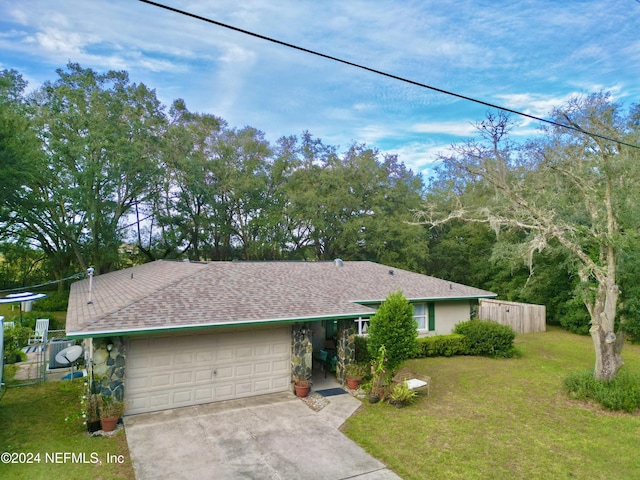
(10, 314)
(505, 418)
(32, 421)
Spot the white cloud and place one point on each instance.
(459, 128)
(420, 157)
(59, 43)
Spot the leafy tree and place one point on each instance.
(180, 219)
(569, 189)
(394, 327)
(355, 206)
(100, 134)
(18, 141)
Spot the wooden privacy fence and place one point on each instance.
(522, 317)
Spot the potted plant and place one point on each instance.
(302, 386)
(354, 373)
(110, 412)
(378, 374)
(402, 395)
(93, 419)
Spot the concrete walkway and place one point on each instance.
(267, 437)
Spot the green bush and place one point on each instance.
(621, 393)
(393, 327)
(443, 346)
(57, 301)
(14, 339)
(15, 356)
(362, 352)
(488, 338)
(575, 317)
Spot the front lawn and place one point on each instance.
(496, 418)
(33, 429)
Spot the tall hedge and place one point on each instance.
(394, 327)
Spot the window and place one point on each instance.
(425, 315)
(420, 314)
(363, 326)
(330, 329)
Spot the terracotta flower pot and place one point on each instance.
(302, 388)
(109, 424)
(353, 383)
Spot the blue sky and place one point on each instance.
(525, 55)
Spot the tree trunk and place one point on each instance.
(608, 346)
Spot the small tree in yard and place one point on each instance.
(394, 327)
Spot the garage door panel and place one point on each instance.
(203, 395)
(243, 389)
(183, 377)
(224, 392)
(224, 373)
(135, 383)
(159, 400)
(160, 361)
(160, 380)
(262, 350)
(263, 367)
(183, 359)
(280, 366)
(204, 357)
(281, 348)
(244, 370)
(280, 384)
(167, 372)
(224, 354)
(244, 352)
(262, 386)
(184, 397)
(204, 375)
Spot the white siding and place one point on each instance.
(448, 314)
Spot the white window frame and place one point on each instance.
(421, 316)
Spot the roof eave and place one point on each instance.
(207, 326)
(430, 299)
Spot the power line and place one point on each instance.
(33, 287)
(385, 74)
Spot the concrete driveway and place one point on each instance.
(268, 437)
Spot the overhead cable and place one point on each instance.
(33, 287)
(385, 74)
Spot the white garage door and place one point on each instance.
(178, 371)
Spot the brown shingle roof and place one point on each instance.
(166, 294)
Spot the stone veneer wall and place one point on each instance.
(347, 332)
(108, 367)
(301, 351)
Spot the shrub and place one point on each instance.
(393, 327)
(15, 356)
(57, 301)
(15, 338)
(401, 393)
(356, 370)
(488, 338)
(621, 393)
(362, 352)
(443, 346)
(575, 317)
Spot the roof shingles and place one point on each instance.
(166, 294)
